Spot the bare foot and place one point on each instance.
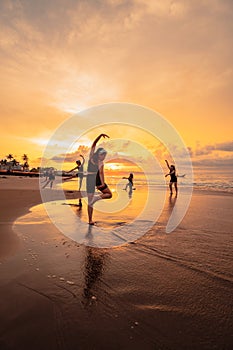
(92, 223)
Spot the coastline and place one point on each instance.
(141, 295)
(19, 195)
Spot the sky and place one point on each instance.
(59, 57)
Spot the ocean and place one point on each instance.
(204, 178)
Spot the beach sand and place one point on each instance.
(165, 291)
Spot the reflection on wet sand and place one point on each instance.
(171, 202)
(95, 262)
(171, 206)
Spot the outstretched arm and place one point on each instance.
(95, 142)
(72, 170)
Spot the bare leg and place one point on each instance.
(46, 184)
(80, 183)
(90, 208)
(170, 185)
(176, 187)
(130, 189)
(106, 194)
(68, 178)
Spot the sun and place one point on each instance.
(112, 166)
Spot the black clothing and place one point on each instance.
(93, 177)
(173, 177)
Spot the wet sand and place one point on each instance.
(165, 291)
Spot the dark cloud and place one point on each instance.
(209, 149)
(200, 151)
(218, 162)
(73, 156)
(225, 146)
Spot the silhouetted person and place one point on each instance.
(51, 178)
(95, 177)
(80, 174)
(173, 177)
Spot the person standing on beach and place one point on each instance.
(79, 174)
(95, 177)
(51, 176)
(130, 183)
(46, 174)
(173, 177)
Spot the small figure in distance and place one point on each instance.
(51, 176)
(173, 177)
(129, 184)
(46, 174)
(79, 174)
(95, 177)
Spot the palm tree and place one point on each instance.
(25, 159)
(10, 156)
(2, 162)
(14, 162)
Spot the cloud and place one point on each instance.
(211, 149)
(208, 149)
(73, 156)
(225, 146)
(214, 162)
(60, 56)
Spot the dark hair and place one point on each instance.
(78, 162)
(173, 166)
(131, 175)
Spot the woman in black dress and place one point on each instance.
(95, 177)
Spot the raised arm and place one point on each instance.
(95, 142)
(167, 164)
(83, 159)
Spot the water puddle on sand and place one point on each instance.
(113, 227)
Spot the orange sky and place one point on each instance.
(60, 56)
